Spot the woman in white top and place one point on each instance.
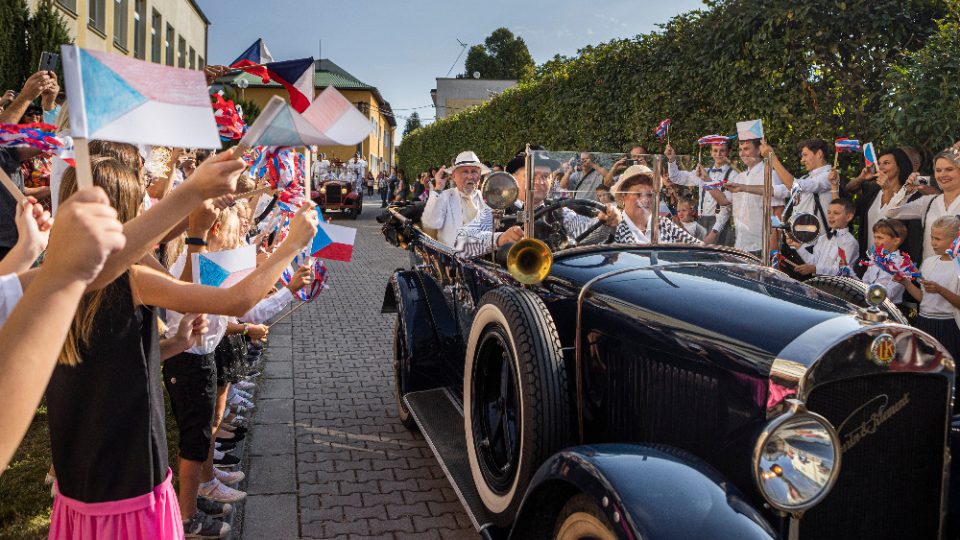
(946, 169)
(889, 190)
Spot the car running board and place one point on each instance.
(440, 418)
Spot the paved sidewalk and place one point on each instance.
(328, 457)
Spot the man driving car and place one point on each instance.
(474, 239)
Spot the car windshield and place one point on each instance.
(693, 188)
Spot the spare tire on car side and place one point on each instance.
(516, 399)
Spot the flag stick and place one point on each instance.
(81, 154)
(253, 193)
(699, 154)
(11, 187)
(244, 68)
(287, 314)
(306, 173)
(836, 157)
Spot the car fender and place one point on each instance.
(645, 491)
(431, 336)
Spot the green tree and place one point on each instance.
(14, 65)
(921, 108)
(46, 31)
(413, 122)
(502, 56)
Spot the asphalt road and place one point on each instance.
(328, 457)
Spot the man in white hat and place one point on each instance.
(449, 210)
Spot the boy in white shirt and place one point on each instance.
(888, 234)
(834, 250)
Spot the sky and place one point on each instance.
(401, 47)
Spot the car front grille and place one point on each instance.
(891, 427)
(333, 194)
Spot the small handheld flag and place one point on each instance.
(229, 120)
(224, 268)
(750, 129)
(42, 137)
(333, 242)
(707, 140)
(121, 99)
(662, 129)
(869, 155)
(847, 145)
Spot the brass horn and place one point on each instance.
(529, 261)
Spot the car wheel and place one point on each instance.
(854, 291)
(581, 519)
(516, 405)
(399, 347)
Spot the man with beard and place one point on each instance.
(474, 239)
(448, 211)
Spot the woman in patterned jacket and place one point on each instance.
(634, 194)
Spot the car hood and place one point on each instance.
(707, 292)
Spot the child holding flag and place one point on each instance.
(939, 296)
(834, 252)
(888, 235)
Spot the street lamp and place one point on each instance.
(242, 84)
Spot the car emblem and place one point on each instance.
(883, 349)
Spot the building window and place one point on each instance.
(156, 50)
(168, 43)
(98, 15)
(193, 58)
(120, 23)
(182, 53)
(69, 5)
(139, 27)
(200, 64)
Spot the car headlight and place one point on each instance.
(343, 191)
(323, 190)
(797, 459)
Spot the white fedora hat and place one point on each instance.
(631, 172)
(467, 159)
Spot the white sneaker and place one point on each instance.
(243, 394)
(238, 401)
(228, 477)
(222, 493)
(246, 386)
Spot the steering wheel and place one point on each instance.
(592, 209)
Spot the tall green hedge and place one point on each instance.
(821, 68)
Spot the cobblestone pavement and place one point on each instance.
(328, 457)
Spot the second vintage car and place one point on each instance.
(338, 195)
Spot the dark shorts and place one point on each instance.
(191, 381)
(229, 356)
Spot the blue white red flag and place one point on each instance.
(229, 119)
(255, 55)
(333, 242)
(869, 154)
(707, 140)
(330, 120)
(843, 266)
(847, 145)
(42, 137)
(318, 276)
(662, 129)
(297, 77)
(121, 99)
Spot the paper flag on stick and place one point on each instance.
(869, 154)
(224, 268)
(117, 98)
(333, 242)
(330, 120)
(751, 129)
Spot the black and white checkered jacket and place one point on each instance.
(670, 233)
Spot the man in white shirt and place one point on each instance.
(449, 210)
(746, 194)
(811, 193)
(706, 180)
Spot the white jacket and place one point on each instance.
(444, 213)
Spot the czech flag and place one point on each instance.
(869, 154)
(224, 268)
(255, 55)
(121, 99)
(297, 77)
(330, 120)
(334, 242)
(662, 129)
(708, 140)
(847, 145)
(43, 137)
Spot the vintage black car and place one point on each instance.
(668, 391)
(338, 195)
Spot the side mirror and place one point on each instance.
(500, 190)
(805, 228)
